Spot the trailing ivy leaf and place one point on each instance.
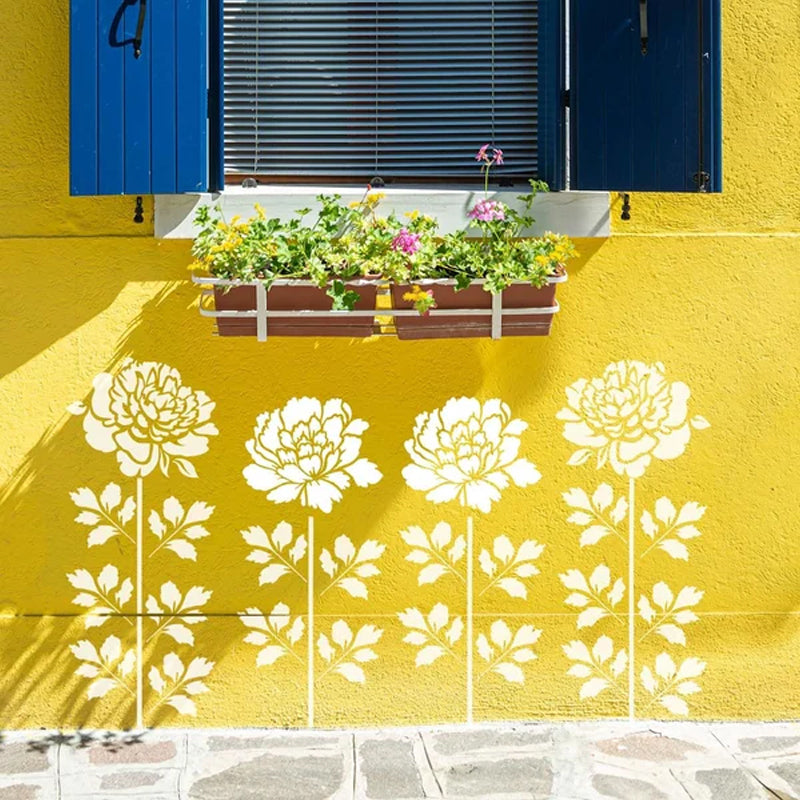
(344, 299)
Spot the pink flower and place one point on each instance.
(481, 154)
(498, 156)
(488, 211)
(407, 242)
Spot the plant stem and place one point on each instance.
(310, 612)
(631, 603)
(469, 619)
(139, 603)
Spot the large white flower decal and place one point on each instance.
(309, 451)
(467, 451)
(148, 417)
(629, 416)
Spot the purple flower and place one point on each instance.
(407, 242)
(488, 211)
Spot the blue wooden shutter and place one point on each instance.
(645, 121)
(138, 125)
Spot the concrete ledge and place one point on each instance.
(576, 214)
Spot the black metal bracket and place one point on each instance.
(626, 206)
(643, 32)
(138, 211)
(702, 180)
(137, 38)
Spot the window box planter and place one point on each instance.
(520, 310)
(300, 308)
(288, 303)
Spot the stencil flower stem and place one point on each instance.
(664, 617)
(167, 539)
(657, 541)
(631, 601)
(512, 564)
(500, 656)
(310, 582)
(139, 602)
(339, 577)
(470, 644)
(111, 674)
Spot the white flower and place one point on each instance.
(629, 416)
(467, 450)
(309, 451)
(148, 417)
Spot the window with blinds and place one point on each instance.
(401, 89)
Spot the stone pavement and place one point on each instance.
(548, 761)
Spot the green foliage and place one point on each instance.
(348, 242)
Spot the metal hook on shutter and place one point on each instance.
(137, 39)
(643, 33)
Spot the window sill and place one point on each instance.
(575, 214)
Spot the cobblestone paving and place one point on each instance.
(564, 761)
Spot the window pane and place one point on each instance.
(396, 88)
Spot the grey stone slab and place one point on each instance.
(730, 784)
(622, 788)
(255, 742)
(498, 777)
(22, 791)
(789, 771)
(390, 769)
(271, 777)
(21, 758)
(650, 746)
(451, 743)
(129, 780)
(768, 744)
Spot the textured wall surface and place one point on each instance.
(705, 286)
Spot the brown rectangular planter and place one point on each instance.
(518, 295)
(294, 298)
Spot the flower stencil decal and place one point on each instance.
(467, 451)
(309, 451)
(148, 417)
(629, 416)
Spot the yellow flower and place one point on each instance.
(260, 211)
(542, 259)
(235, 219)
(415, 293)
(354, 204)
(412, 214)
(374, 197)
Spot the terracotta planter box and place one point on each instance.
(294, 298)
(518, 295)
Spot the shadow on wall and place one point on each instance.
(56, 568)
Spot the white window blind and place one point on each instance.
(392, 88)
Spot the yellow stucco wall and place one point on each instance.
(706, 285)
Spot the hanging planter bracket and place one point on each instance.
(262, 313)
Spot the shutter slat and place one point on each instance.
(393, 87)
(163, 83)
(84, 71)
(136, 115)
(111, 101)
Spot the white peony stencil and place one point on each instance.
(627, 417)
(148, 418)
(308, 451)
(151, 421)
(467, 451)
